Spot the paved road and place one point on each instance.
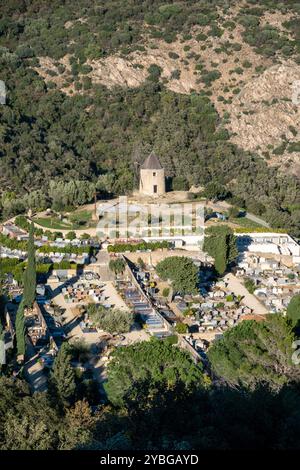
(101, 266)
(34, 371)
(258, 220)
(224, 206)
(236, 286)
(70, 321)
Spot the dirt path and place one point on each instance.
(258, 220)
(34, 371)
(236, 286)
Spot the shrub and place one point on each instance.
(202, 20)
(246, 64)
(201, 37)
(229, 298)
(238, 70)
(110, 320)
(215, 31)
(173, 55)
(85, 236)
(250, 285)
(165, 292)
(70, 235)
(142, 246)
(175, 74)
(179, 183)
(211, 76)
(181, 328)
(233, 212)
(171, 339)
(154, 72)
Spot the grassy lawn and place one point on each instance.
(53, 222)
(76, 220)
(81, 219)
(237, 223)
(245, 222)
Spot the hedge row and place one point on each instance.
(259, 230)
(142, 246)
(13, 244)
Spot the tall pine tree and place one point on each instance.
(62, 380)
(20, 330)
(30, 272)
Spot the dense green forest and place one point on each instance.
(57, 149)
(51, 144)
(158, 399)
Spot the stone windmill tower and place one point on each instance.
(152, 177)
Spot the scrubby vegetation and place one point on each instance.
(65, 139)
(181, 271)
(72, 145)
(267, 343)
(159, 399)
(117, 266)
(168, 365)
(110, 320)
(141, 246)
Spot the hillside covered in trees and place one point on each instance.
(69, 120)
(158, 399)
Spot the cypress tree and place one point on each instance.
(20, 330)
(220, 255)
(62, 380)
(232, 253)
(220, 243)
(30, 272)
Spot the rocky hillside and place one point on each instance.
(265, 116)
(94, 85)
(245, 58)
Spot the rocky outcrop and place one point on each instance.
(266, 114)
(253, 95)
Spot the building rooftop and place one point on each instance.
(151, 163)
